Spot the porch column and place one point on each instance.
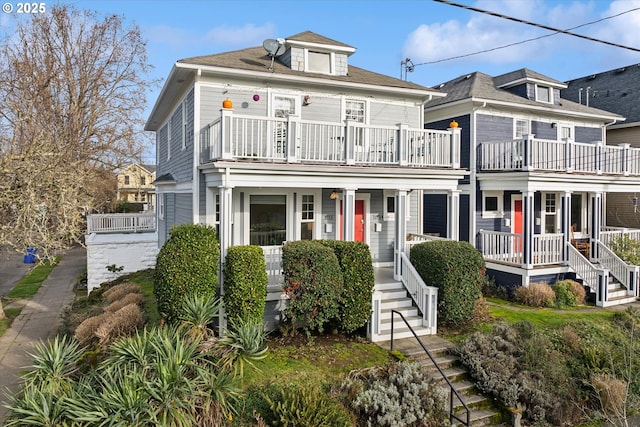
(527, 229)
(226, 215)
(226, 124)
(565, 224)
(596, 223)
(348, 214)
(528, 160)
(401, 232)
(453, 211)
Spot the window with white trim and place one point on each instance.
(284, 106)
(319, 62)
(550, 213)
(544, 94)
(160, 203)
(389, 205)
(565, 132)
(354, 110)
(579, 213)
(127, 180)
(307, 219)
(492, 204)
(521, 128)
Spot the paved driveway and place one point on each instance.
(12, 269)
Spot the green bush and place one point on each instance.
(627, 248)
(187, 264)
(313, 281)
(457, 270)
(399, 394)
(357, 271)
(564, 296)
(245, 284)
(296, 406)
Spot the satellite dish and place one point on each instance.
(271, 46)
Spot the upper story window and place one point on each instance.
(492, 204)
(544, 94)
(319, 62)
(565, 132)
(521, 128)
(126, 180)
(284, 106)
(143, 180)
(355, 111)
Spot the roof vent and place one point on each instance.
(591, 77)
(620, 70)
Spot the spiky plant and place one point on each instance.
(220, 399)
(244, 343)
(36, 407)
(197, 313)
(54, 364)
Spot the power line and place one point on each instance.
(555, 31)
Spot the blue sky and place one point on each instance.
(386, 32)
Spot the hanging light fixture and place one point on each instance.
(334, 195)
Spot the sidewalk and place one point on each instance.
(39, 320)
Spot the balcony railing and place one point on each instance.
(121, 223)
(530, 154)
(292, 140)
(507, 247)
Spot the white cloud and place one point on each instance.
(622, 29)
(247, 35)
(172, 37)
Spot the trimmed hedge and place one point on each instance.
(245, 284)
(456, 269)
(313, 281)
(187, 264)
(359, 281)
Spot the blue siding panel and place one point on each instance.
(493, 128)
(435, 214)
(464, 122)
(543, 130)
(585, 134)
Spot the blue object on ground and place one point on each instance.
(30, 257)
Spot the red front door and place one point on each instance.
(516, 227)
(359, 222)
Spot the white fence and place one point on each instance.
(121, 223)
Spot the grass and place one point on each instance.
(549, 317)
(11, 314)
(144, 279)
(28, 286)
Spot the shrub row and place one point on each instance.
(565, 293)
(457, 270)
(327, 282)
(245, 284)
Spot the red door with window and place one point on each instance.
(359, 222)
(516, 227)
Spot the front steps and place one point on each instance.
(482, 412)
(617, 294)
(393, 296)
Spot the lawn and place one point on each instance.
(29, 284)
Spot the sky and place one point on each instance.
(441, 40)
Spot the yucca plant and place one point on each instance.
(244, 343)
(220, 399)
(54, 364)
(36, 407)
(197, 313)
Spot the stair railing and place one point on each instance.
(453, 392)
(593, 277)
(624, 273)
(425, 297)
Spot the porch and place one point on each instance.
(292, 140)
(531, 154)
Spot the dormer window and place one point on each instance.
(319, 62)
(544, 94)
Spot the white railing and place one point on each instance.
(241, 137)
(501, 246)
(559, 156)
(273, 261)
(616, 266)
(611, 233)
(425, 297)
(414, 239)
(121, 223)
(584, 269)
(547, 248)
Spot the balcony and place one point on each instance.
(530, 154)
(121, 223)
(291, 140)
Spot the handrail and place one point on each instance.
(453, 392)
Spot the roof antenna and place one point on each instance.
(274, 47)
(408, 66)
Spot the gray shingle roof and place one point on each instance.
(256, 59)
(616, 90)
(523, 73)
(482, 86)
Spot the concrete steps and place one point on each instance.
(394, 297)
(482, 412)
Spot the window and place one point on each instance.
(284, 106)
(521, 128)
(565, 132)
(143, 180)
(267, 219)
(143, 197)
(492, 204)
(389, 207)
(543, 94)
(308, 217)
(354, 110)
(550, 213)
(127, 180)
(161, 206)
(319, 62)
(579, 213)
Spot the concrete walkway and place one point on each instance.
(38, 321)
(12, 269)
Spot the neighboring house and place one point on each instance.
(617, 91)
(540, 169)
(308, 146)
(135, 185)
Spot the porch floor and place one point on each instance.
(384, 275)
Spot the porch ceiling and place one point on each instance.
(537, 181)
(313, 176)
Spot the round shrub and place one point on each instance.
(359, 281)
(245, 284)
(535, 295)
(564, 296)
(457, 270)
(187, 264)
(313, 283)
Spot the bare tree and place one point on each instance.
(73, 86)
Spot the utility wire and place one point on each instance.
(555, 31)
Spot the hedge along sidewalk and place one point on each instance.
(24, 290)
